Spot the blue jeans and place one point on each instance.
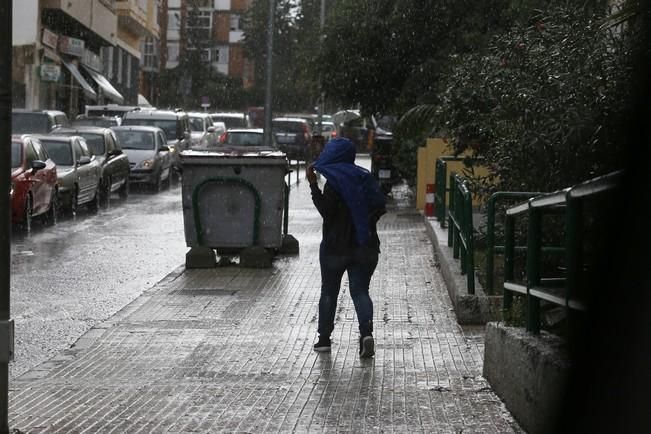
(360, 265)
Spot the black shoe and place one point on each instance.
(366, 346)
(323, 346)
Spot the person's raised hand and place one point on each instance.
(310, 174)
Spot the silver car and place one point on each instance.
(202, 131)
(78, 172)
(149, 155)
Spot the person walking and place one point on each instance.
(351, 205)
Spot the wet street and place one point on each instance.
(67, 278)
(229, 349)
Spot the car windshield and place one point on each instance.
(230, 121)
(167, 125)
(16, 154)
(288, 126)
(136, 140)
(22, 123)
(196, 124)
(95, 143)
(245, 139)
(60, 151)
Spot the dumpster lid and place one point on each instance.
(233, 153)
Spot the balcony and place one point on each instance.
(132, 16)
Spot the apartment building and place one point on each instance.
(69, 53)
(218, 23)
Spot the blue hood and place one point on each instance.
(355, 185)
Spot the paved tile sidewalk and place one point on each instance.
(230, 350)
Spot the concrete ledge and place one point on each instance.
(528, 373)
(470, 309)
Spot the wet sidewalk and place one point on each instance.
(230, 350)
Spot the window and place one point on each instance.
(40, 151)
(84, 148)
(77, 151)
(235, 23)
(106, 54)
(30, 154)
(173, 24)
(174, 3)
(110, 143)
(200, 19)
(220, 54)
(172, 51)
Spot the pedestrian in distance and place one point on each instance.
(351, 205)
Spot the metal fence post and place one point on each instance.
(450, 212)
(533, 269)
(509, 256)
(490, 243)
(469, 240)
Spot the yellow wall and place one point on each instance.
(427, 157)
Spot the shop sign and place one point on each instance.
(92, 60)
(71, 46)
(50, 72)
(50, 38)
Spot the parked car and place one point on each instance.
(328, 130)
(176, 125)
(78, 173)
(112, 110)
(103, 144)
(231, 120)
(202, 130)
(37, 121)
(149, 156)
(246, 140)
(293, 136)
(96, 121)
(33, 182)
(220, 128)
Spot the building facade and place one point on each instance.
(217, 23)
(66, 53)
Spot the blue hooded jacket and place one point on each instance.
(355, 185)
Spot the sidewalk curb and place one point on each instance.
(470, 309)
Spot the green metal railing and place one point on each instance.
(460, 228)
(491, 248)
(441, 181)
(225, 180)
(561, 291)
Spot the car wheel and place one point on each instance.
(51, 214)
(74, 201)
(105, 193)
(26, 226)
(123, 192)
(158, 185)
(95, 204)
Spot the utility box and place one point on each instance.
(232, 202)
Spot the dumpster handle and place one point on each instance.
(225, 180)
(286, 213)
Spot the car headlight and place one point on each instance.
(146, 164)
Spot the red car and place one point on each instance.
(33, 182)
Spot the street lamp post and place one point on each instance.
(6, 325)
(270, 44)
(319, 125)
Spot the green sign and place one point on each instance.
(50, 72)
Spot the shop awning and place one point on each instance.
(88, 90)
(107, 88)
